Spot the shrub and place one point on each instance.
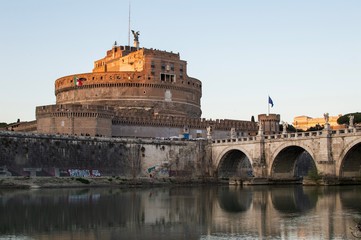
(314, 175)
(83, 180)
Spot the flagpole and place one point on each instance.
(129, 25)
(268, 105)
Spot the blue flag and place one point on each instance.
(270, 101)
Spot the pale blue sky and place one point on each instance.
(305, 54)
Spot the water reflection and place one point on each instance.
(235, 199)
(223, 212)
(294, 200)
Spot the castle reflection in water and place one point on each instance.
(181, 213)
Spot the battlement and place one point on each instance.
(194, 123)
(269, 117)
(75, 110)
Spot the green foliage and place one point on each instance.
(344, 119)
(83, 180)
(291, 128)
(314, 175)
(317, 127)
(3, 124)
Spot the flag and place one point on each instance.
(270, 101)
(78, 81)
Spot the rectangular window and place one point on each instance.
(165, 77)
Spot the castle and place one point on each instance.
(136, 92)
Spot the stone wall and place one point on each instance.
(74, 119)
(55, 155)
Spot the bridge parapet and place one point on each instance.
(346, 131)
(234, 140)
(294, 135)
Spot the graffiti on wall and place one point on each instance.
(159, 170)
(83, 173)
(4, 172)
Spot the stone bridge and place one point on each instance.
(335, 154)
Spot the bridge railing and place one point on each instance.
(346, 131)
(240, 139)
(292, 135)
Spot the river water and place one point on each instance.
(206, 213)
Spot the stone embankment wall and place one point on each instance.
(24, 154)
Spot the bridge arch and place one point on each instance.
(234, 162)
(350, 160)
(291, 161)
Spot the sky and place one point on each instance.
(305, 55)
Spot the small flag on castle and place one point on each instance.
(270, 101)
(78, 81)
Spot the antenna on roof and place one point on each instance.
(129, 25)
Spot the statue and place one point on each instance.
(260, 128)
(326, 116)
(285, 125)
(233, 133)
(136, 35)
(209, 132)
(351, 117)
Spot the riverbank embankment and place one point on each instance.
(80, 182)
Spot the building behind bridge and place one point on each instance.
(305, 122)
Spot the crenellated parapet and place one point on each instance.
(193, 123)
(77, 110)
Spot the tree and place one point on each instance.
(252, 119)
(344, 119)
(317, 127)
(290, 128)
(3, 124)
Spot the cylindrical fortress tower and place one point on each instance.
(140, 82)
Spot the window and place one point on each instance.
(165, 77)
